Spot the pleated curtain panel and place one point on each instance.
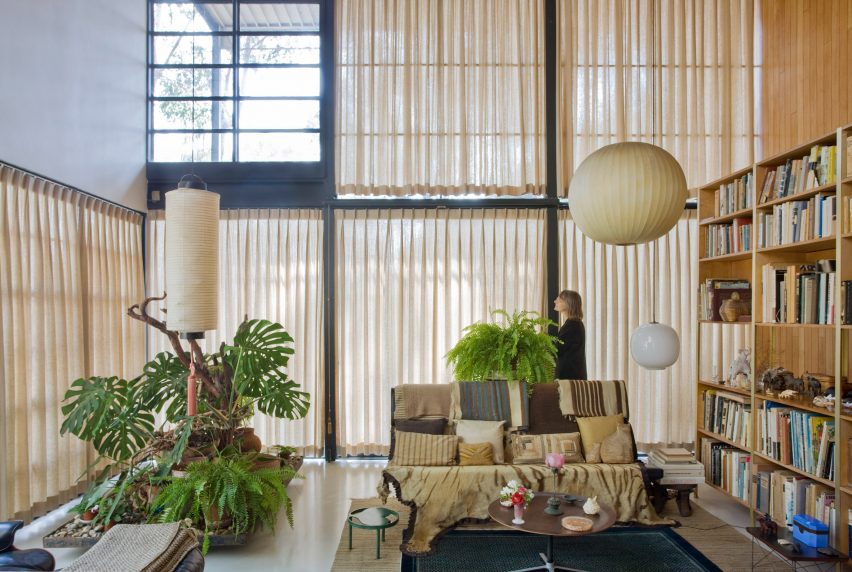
(70, 265)
(270, 267)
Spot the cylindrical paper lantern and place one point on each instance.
(627, 193)
(192, 257)
(654, 346)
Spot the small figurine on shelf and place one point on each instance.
(740, 374)
(768, 528)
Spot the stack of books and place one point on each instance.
(679, 466)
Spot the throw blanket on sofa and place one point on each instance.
(582, 398)
(441, 497)
(491, 401)
(412, 401)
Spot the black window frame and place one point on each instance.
(247, 184)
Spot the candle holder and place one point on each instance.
(555, 462)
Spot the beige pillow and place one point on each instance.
(596, 429)
(593, 455)
(618, 447)
(533, 448)
(476, 454)
(421, 449)
(470, 431)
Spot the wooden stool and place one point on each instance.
(661, 495)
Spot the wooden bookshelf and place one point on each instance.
(815, 348)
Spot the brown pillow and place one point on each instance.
(476, 454)
(424, 450)
(527, 449)
(569, 444)
(545, 415)
(533, 448)
(618, 447)
(427, 426)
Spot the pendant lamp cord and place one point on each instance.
(654, 286)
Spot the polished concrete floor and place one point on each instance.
(320, 500)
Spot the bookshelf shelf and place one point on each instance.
(728, 257)
(800, 348)
(721, 490)
(721, 387)
(723, 439)
(737, 323)
(744, 213)
(799, 196)
(813, 245)
(786, 325)
(763, 457)
(799, 403)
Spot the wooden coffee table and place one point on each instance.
(539, 522)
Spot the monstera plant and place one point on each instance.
(120, 417)
(518, 349)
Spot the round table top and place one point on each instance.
(539, 522)
(373, 518)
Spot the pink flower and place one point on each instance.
(555, 460)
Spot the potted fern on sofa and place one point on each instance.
(117, 417)
(519, 349)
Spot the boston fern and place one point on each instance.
(225, 488)
(519, 350)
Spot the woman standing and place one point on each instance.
(571, 353)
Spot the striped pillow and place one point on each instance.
(424, 450)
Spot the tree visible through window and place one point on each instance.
(234, 89)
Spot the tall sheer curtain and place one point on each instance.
(408, 282)
(440, 98)
(70, 265)
(270, 267)
(616, 287)
(676, 73)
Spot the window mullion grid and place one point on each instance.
(235, 118)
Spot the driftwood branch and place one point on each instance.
(140, 312)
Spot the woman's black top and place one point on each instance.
(571, 353)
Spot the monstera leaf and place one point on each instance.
(165, 385)
(258, 357)
(110, 413)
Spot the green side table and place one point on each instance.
(373, 518)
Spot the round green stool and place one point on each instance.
(373, 518)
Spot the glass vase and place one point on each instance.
(519, 514)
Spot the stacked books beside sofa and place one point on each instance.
(679, 466)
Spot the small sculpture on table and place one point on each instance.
(555, 461)
(768, 527)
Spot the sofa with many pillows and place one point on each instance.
(454, 446)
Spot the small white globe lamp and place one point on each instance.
(654, 346)
(627, 193)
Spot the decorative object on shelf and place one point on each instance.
(768, 527)
(519, 495)
(654, 346)
(732, 308)
(518, 349)
(627, 193)
(816, 384)
(740, 373)
(591, 505)
(777, 379)
(555, 461)
(789, 394)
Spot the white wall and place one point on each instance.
(72, 93)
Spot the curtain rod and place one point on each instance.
(71, 187)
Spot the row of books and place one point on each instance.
(726, 467)
(796, 221)
(799, 293)
(713, 292)
(846, 302)
(728, 238)
(783, 494)
(727, 414)
(799, 175)
(799, 438)
(735, 196)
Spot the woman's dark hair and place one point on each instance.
(574, 304)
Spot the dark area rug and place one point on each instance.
(622, 549)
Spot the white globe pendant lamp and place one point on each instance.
(654, 346)
(627, 193)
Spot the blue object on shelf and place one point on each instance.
(810, 531)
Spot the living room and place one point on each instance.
(425, 285)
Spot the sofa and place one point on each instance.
(440, 497)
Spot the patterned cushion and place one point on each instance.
(425, 450)
(476, 454)
(428, 426)
(533, 448)
(592, 398)
(505, 401)
(470, 431)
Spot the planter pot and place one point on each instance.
(248, 441)
(180, 470)
(88, 516)
(266, 462)
(216, 521)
